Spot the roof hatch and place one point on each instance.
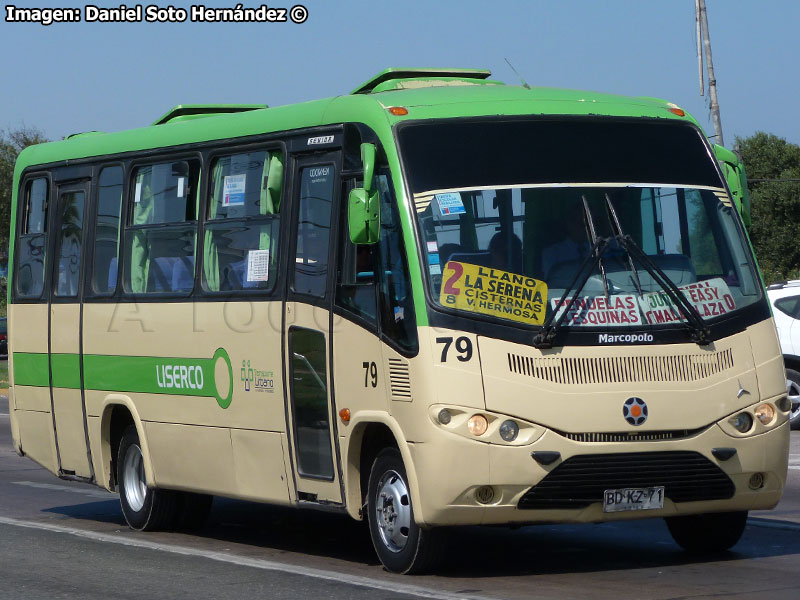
(397, 78)
(184, 112)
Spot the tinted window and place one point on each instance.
(36, 206)
(241, 234)
(106, 242)
(459, 153)
(29, 279)
(70, 242)
(789, 306)
(313, 230)
(160, 240)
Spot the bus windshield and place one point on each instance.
(518, 251)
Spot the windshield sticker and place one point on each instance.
(591, 311)
(433, 259)
(233, 190)
(450, 204)
(435, 269)
(493, 292)
(181, 187)
(711, 298)
(433, 247)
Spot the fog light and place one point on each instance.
(477, 425)
(756, 481)
(785, 404)
(743, 422)
(484, 494)
(509, 430)
(444, 416)
(765, 413)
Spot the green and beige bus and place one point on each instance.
(438, 300)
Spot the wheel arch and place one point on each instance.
(371, 432)
(118, 412)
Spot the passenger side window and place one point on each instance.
(240, 246)
(160, 237)
(106, 240)
(33, 239)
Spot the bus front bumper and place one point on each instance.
(454, 472)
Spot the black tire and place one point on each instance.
(712, 532)
(145, 509)
(193, 510)
(402, 546)
(793, 388)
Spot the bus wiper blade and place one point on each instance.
(587, 216)
(612, 211)
(544, 338)
(700, 333)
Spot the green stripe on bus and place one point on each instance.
(143, 374)
(31, 368)
(66, 371)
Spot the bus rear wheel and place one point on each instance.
(712, 532)
(401, 544)
(145, 509)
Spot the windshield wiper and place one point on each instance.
(618, 227)
(699, 332)
(544, 338)
(587, 216)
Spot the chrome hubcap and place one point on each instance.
(794, 397)
(134, 483)
(393, 508)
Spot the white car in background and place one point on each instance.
(785, 300)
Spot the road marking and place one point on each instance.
(770, 523)
(797, 468)
(267, 565)
(64, 488)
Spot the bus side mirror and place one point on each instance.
(363, 206)
(363, 216)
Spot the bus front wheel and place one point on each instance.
(145, 509)
(401, 544)
(712, 532)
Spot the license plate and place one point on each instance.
(633, 499)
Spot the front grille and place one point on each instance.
(622, 369)
(640, 436)
(581, 480)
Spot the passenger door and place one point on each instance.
(307, 323)
(66, 295)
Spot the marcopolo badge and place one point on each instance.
(635, 411)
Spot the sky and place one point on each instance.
(72, 77)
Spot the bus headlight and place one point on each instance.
(509, 430)
(477, 425)
(765, 413)
(743, 422)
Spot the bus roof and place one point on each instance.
(426, 93)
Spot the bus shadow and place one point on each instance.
(471, 552)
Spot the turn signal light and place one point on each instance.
(398, 111)
(344, 415)
(765, 413)
(677, 111)
(477, 425)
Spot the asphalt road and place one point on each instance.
(61, 539)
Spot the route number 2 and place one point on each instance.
(463, 348)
